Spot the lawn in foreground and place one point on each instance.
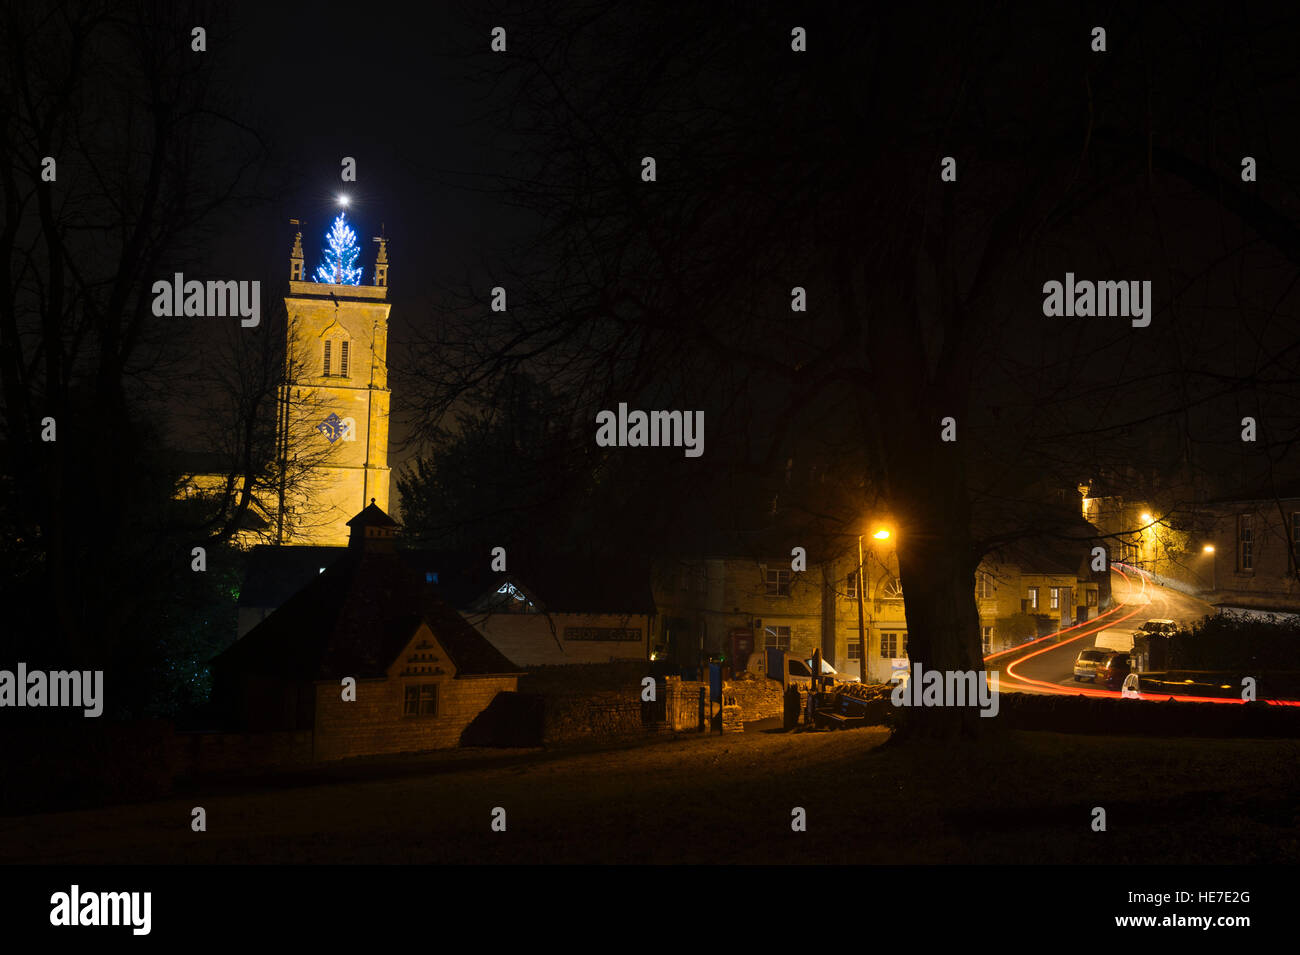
(1023, 797)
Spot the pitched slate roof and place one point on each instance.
(353, 620)
(276, 573)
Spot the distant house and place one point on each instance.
(422, 673)
(737, 606)
(1051, 580)
(1252, 569)
(565, 618)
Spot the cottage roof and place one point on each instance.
(354, 619)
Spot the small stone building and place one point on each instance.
(422, 673)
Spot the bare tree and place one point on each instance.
(776, 169)
(118, 154)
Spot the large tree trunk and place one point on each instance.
(937, 567)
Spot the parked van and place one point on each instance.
(1121, 641)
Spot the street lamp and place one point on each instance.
(1151, 525)
(863, 581)
(1214, 583)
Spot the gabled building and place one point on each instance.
(573, 620)
(420, 673)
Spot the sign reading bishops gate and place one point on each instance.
(616, 634)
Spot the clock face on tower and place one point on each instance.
(332, 427)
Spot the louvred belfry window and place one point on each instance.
(327, 358)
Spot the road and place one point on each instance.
(1046, 665)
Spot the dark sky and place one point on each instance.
(395, 87)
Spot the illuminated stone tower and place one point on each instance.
(335, 403)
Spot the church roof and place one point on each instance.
(353, 620)
(372, 516)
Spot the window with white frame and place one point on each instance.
(892, 643)
(778, 583)
(1032, 599)
(983, 585)
(1245, 542)
(986, 637)
(776, 637)
(1054, 598)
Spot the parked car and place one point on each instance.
(1112, 670)
(1158, 627)
(1086, 663)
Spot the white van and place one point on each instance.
(1121, 641)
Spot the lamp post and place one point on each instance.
(1214, 566)
(863, 583)
(1147, 520)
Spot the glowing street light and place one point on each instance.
(343, 200)
(864, 580)
(1214, 566)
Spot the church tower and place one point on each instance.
(334, 404)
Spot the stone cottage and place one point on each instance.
(365, 656)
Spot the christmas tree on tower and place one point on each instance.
(336, 267)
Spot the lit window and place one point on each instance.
(1054, 598)
(1033, 598)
